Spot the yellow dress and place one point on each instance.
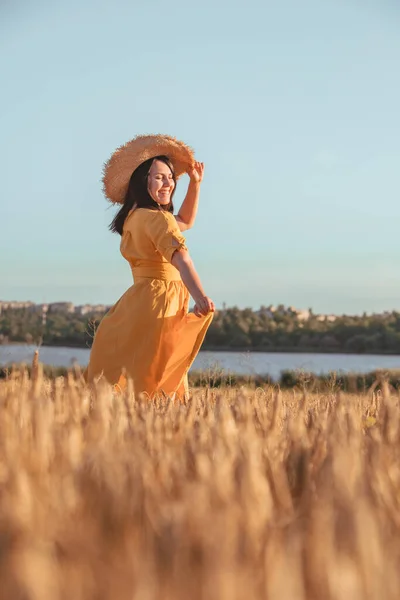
(148, 335)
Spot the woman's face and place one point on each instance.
(160, 182)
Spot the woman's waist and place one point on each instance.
(155, 270)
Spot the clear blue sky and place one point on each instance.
(293, 106)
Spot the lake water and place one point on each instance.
(259, 363)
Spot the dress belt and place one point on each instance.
(164, 271)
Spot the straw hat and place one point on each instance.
(119, 168)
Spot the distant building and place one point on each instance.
(303, 315)
(39, 308)
(14, 305)
(87, 309)
(329, 318)
(271, 310)
(61, 307)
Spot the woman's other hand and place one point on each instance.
(203, 306)
(182, 261)
(196, 172)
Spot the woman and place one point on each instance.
(148, 335)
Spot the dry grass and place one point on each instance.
(235, 495)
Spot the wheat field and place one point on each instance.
(236, 494)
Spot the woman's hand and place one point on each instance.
(196, 172)
(203, 306)
(182, 261)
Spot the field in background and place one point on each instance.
(237, 494)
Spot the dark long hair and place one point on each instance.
(138, 196)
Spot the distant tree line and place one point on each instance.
(231, 329)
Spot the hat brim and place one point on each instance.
(125, 160)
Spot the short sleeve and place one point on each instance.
(165, 234)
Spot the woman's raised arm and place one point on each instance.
(188, 211)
